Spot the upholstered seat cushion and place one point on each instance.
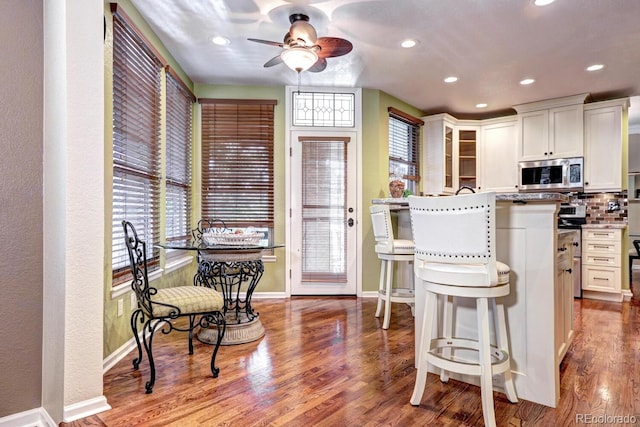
(189, 299)
(460, 274)
(399, 247)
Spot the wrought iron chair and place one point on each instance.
(157, 308)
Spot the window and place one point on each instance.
(404, 140)
(136, 144)
(237, 163)
(318, 109)
(178, 159)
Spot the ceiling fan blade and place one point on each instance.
(267, 42)
(273, 61)
(320, 65)
(333, 46)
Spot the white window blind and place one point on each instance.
(178, 159)
(237, 162)
(404, 140)
(136, 144)
(324, 200)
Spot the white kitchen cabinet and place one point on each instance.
(497, 157)
(605, 143)
(551, 129)
(563, 294)
(449, 154)
(602, 263)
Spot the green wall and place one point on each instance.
(375, 173)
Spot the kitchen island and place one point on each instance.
(526, 232)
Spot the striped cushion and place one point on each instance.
(189, 299)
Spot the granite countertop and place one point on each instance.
(616, 226)
(506, 197)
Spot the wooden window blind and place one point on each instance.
(179, 121)
(136, 144)
(237, 162)
(404, 142)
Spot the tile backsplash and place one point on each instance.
(599, 209)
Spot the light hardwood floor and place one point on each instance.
(328, 362)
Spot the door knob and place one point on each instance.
(350, 222)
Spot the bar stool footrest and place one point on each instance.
(499, 358)
(399, 295)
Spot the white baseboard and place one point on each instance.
(627, 295)
(85, 409)
(369, 294)
(110, 361)
(38, 417)
(265, 295)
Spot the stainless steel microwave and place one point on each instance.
(551, 175)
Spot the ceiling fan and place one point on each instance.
(302, 50)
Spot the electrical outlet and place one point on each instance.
(120, 307)
(134, 301)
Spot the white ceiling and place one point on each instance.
(490, 45)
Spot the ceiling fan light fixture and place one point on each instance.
(299, 58)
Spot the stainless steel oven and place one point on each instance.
(572, 217)
(551, 175)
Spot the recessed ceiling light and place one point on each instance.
(408, 43)
(595, 67)
(481, 105)
(220, 41)
(542, 2)
(526, 81)
(451, 79)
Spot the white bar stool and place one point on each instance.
(389, 250)
(455, 258)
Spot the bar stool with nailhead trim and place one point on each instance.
(455, 258)
(389, 250)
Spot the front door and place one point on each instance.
(323, 213)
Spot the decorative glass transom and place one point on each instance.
(320, 109)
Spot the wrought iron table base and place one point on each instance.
(227, 273)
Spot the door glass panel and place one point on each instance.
(324, 199)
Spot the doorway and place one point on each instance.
(323, 210)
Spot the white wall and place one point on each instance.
(73, 209)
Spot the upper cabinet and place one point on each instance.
(551, 129)
(605, 145)
(450, 154)
(497, 158)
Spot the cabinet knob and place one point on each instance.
(545, 153)
(550, 153)
(568, 270)
(586, 183)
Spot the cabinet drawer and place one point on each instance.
(601, 247)
(609, 260)
(601, 279)
(611, 235)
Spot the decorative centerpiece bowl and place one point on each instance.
(232, 237)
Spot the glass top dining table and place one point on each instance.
(234, 271)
